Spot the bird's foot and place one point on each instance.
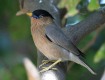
(44, 62)
(47, 68)
(51, 66)
(48, 60)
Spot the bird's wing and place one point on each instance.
(56, 35)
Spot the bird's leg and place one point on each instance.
(48, 61)
(49, 67)
(44, 62)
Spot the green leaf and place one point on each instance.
(70, 5)
(100, 54)
(94, 5)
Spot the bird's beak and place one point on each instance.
(29, 14)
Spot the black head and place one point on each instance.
(40, 13)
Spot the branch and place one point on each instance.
(78, 31)
(89, 44)
(31, 70)
(103, 77)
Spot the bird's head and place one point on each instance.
(40, 17)
(38, 14)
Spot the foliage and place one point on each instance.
(100, 55)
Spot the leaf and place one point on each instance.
(100, 54)
(93, 5)
(82, 5)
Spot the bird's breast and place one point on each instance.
(48, 48)
(38, 34)
(40, 40)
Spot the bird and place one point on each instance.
(51, 41)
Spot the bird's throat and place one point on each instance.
(41, 21)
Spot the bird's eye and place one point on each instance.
(34, 16)
(41, 16)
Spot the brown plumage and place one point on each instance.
(42, 43)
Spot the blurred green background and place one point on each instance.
(16, 41)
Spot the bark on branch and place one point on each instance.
(78, 31)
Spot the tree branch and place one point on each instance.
(78, 31)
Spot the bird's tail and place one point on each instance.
(79, 60)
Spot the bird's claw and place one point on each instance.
(44, 62)
(51, 66)
(47, 68)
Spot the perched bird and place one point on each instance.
(52, 42)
